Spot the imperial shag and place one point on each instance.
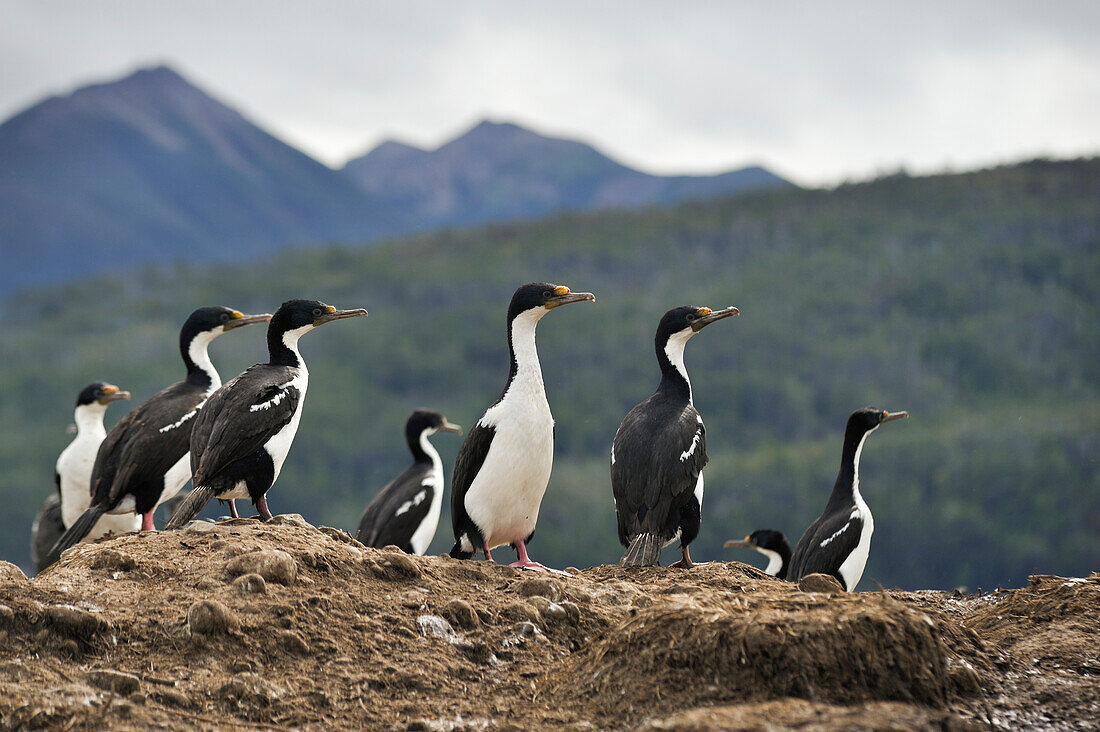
(406, 512)
(73, 477)
(143, 460)
(73, 473)
(660, 450)
(503, 466)
(839, 541)
(244, 432)
(773, 545)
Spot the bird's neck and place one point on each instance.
(282, 347)
(778, 560)
(200, 369)
(674, 375)
(89, 420)
(526, 372)
(422, 450)
(846, 488)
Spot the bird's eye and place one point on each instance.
(691, 317)
(547, 293)
(316, 312)
(225, 317)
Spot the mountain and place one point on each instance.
(968, 300)
(151, 169)
(501, 171)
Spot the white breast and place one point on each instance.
(852, 568)
(279, 445)
(505, 496)
(74, 465)
(433, 483)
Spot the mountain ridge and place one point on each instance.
(150, 169)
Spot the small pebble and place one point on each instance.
(274, 565)
(461, 613)
(250, 584)
(209, 617)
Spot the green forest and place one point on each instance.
(969, 300)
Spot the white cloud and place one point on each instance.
(819, 91)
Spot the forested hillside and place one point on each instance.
(968, 300)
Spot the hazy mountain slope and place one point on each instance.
(500, 171)
(968, 300)
(151, 169)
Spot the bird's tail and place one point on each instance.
(76, 532)
(643, 551)
(190, 507)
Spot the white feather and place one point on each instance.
(852, 567)
(433, 482)
(74, 466)
(504, 498)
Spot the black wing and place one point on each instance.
(145, 443)
(240, 417)
(471, 456)
(659, 451)
(826, 544)
(57, 483)
(45, 531)
(398, 510)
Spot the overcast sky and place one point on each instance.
(817, 91)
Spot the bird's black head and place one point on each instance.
(216, 319)
(100, 392)
(307, 314)
(864, 420)
(769, 539)
(689, 319)
(295, 318)
(426, 419)
(543, 296)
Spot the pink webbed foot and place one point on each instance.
(525, 562)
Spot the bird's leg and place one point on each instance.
(261, 506)
(488, 556)
(147, 521)
(527, 563)
(233, 508)
(684, 563)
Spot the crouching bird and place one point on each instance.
(244, 432)
(405, 513)
(773, 545)
(142, 461)
(839, 542)
(503, 466)
(660, 450)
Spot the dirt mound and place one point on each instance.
(247, 625)
(805, 716)
(846, 649)
(1051, 622)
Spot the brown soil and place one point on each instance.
(242, 625)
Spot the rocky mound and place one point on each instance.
(247, 625)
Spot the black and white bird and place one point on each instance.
(243, 434)
(660, 450)
(143, 459)
(503, 466)
(73, 477)
(406, 512)
(73, 472)
(839, 541)
(45, 531)
(773, 545)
